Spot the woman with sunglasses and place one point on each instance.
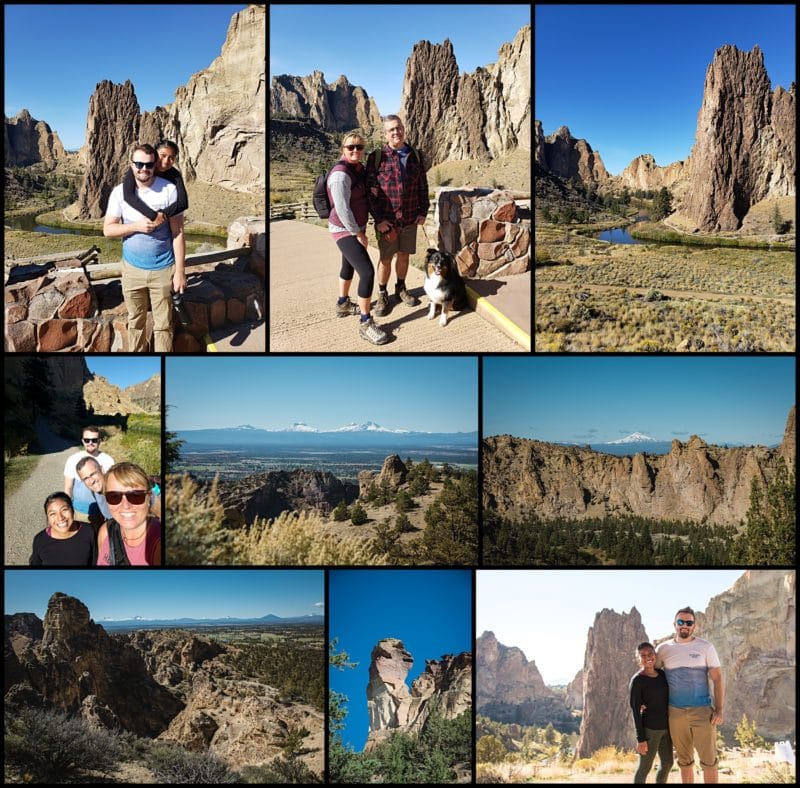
(64, 542)
(132, 537)
(347, 223)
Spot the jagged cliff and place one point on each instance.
(339, 106)
(567, 157)
(694, 481)
(643, 173)
(609, 663)
(745, 143)
(445, 683)
(29, 141)
(480, 115)
(217, 121)
(147, 395)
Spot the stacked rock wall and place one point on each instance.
(480, 227)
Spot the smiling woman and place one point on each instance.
(64, 542)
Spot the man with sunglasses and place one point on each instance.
(153, 254)
(83, 498)
(690, 663)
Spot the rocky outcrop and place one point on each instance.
(563, 155)
(445, 684)
(217, 121)
(29, 141)
(753, 628)
(609, 663)
(643, 173)
(393, 473)
(745, 145)
(107, 399)
(339, 106)
(480, 115)
(694, 481)
(146, 395)
(574, 696)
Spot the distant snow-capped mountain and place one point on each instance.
(299, 426)
(367, 426)
(636, 437)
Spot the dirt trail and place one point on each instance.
(24, 516)
(705, 295)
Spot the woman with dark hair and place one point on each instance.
(65, 541)
(167, 155)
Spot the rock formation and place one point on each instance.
(339, 106)
(445, 684)
(107, 399)
(482, 115)
(643, 173)
(393, 473)
(608, 666)
(217, 121)
(563, 155)
(30, 141)
(510, 689)
(745, 145)
(753, 627)
(147, 395)
(574, 698)
(693, 481)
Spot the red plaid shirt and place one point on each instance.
(392, 197)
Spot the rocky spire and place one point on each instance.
(29, 141)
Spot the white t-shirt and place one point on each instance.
(686, 666)
(151, 251)
(82, 496)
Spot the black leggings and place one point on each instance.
(355, 258)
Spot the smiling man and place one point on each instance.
(690, 663)
(153, 254)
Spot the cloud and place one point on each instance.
(319, 604)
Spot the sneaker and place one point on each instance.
(382, 306)
(406, 297)
(347, 308)
(372, 333)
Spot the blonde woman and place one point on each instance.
(131, 537)
(347, 223)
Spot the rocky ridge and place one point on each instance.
(445, 683)
(643, 173)
(480, 115)
(694, 481)
(563, 155)
(106, 399)
(29, 141)
(147, 394)
(745, 145)
(338, 106)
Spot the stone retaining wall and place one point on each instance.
(51, 311)
(481, 229)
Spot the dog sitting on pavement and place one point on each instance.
(443, 284)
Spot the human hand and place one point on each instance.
(641, 747)
(178, 281)
(716, 717)
(384, 226)
(160, 219)
(146, 226)
(362, 239)
(420, 220)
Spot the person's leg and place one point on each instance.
(134, 292)
(344, 306)
(646, 761)
(665, 760)
(160, 285)
(386, 251)
(681, 735)
(407, 245)
(357, 256)
(705, 740)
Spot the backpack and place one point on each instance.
(319, 198)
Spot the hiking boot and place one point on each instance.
(406, 297)
(382, 306)
(372, 333)
(347, 308)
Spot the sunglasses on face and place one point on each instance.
(91, 440)
(681, 623)
(354, 147)
(148, 165)
(136, 497)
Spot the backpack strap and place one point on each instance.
(116, 548)
(153, 541)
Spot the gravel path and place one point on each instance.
(24, 516)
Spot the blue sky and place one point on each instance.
(429, 610)
(547, 613)
(629, 78)
(56, 54)
(124, 371)
(169, 593)
(421, 393)
(370, 44)
(743, 400)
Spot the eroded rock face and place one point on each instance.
(753, 627)
(563, 155)
(609, 663)
(693, 481)
(479, 115)
(644, 173)
(147, 395)
(744, 147)
(30, 141)
(339, 106)
(445, 683)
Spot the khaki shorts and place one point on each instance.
(691, 730)
(405, 241)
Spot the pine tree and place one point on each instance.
(341, 512)
(358, 515)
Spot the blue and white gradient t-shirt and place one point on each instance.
(150, 251)
(686, 666)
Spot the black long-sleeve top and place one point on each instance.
(653, 693)
(132, 198)
(79, 550)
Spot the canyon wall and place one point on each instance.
(29, 141)
(567, 157)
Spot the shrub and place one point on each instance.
(281, 771)
(175, 765)
(341, 512)
(47, 746)
(358, 515)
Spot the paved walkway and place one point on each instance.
(304, 268)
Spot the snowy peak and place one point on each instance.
(636, 437)
(367, 426)
(301, 426)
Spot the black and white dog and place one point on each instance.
(443, 284)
